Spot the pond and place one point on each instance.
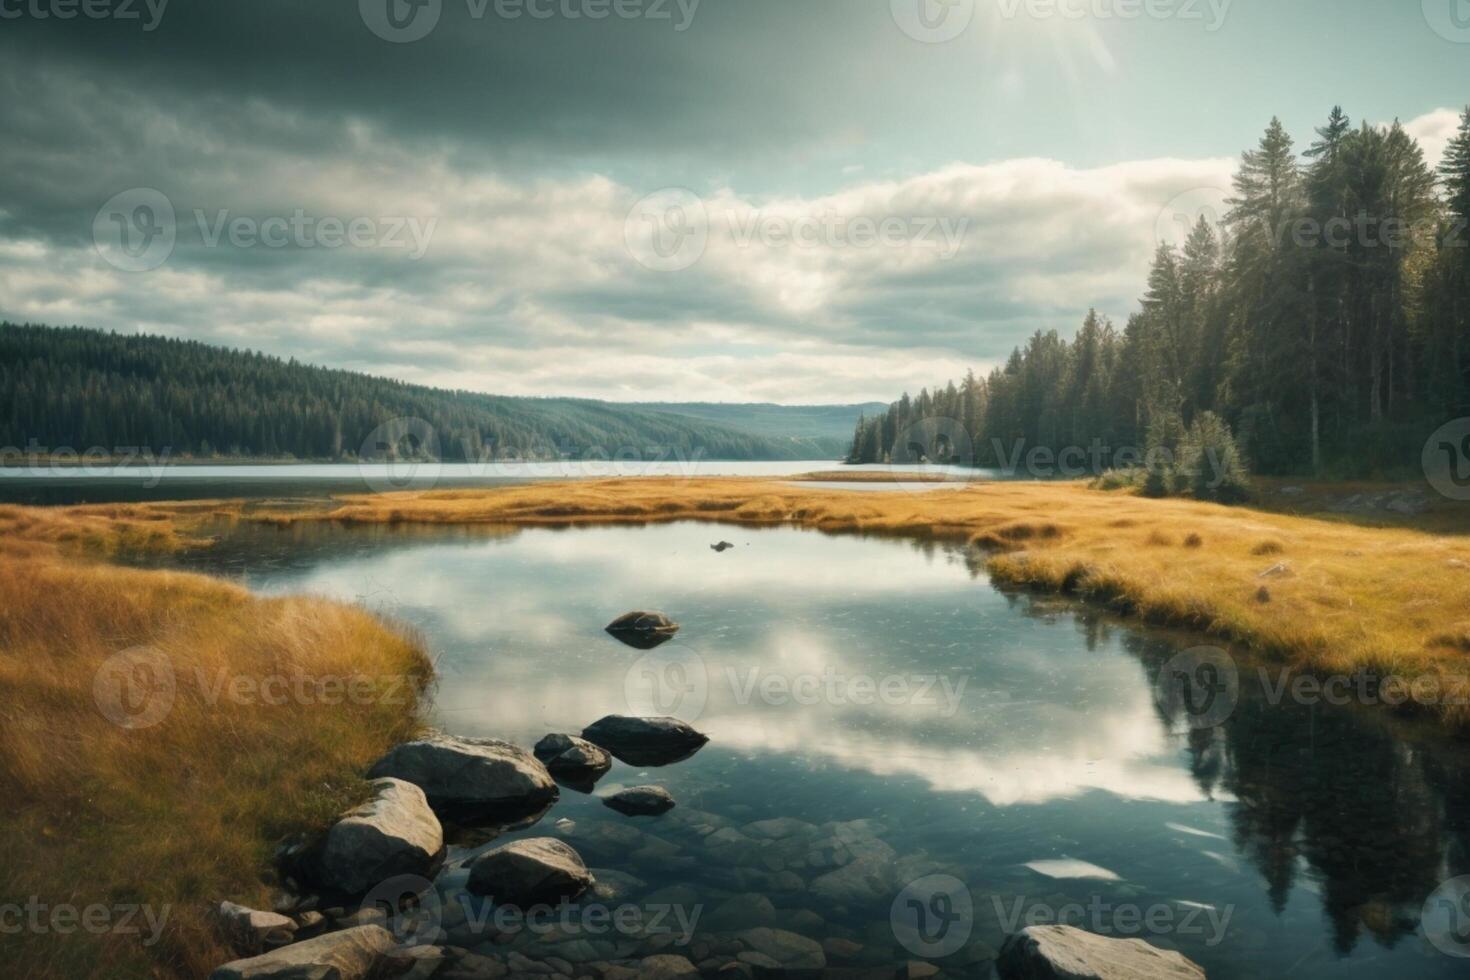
(905, 761)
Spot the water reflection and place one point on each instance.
(1025, 742)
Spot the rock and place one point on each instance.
(747, 911)
(250, 932)
(643, 630)
(641, 801)
(1067, 953)
(354, 954)
(667, 967)
(536, 871)
(787, 948)
(572, 757)
(645, 741)
(841, 949)
(721, 548)
(471, 778)
(395, 833)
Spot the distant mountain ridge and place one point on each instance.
(78, 389)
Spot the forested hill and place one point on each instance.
(1326, 320)
(80, 389)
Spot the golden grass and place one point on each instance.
(1389, 600)
(185, 812)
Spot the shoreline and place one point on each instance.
(1324, 593)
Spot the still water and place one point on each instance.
(43, 484)
(880, 715)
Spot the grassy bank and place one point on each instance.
(161, 780)
(1327, 594)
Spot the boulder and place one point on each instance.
(667, 966)
(645, 741)
(570, 757)
(471, 778)
(394, 833)
(1067, 953)
(643, 630)
(354, 954)
(535, 871)
(787, 949)
(641, 801)
(250, 932)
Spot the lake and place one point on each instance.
(43, 484)
(904, 761)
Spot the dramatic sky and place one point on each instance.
(729, 200)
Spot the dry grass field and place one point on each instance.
(160, 732)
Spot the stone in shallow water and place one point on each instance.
(787, 949)
(667, 967)
(471, 778)
(1067, 953)
(574, 758)
(536, 871)
(645, 741)
(643, 630)
(394, 833)
(354, 954)
(641, 801)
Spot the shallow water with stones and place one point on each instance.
(1021, 765)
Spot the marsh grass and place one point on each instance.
(187, 811)
(1391, 600)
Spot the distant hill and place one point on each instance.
(831, 425)
(83, 389)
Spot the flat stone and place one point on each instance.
(535, 871)
(667, 966)
(471, 777)
(1067, 953)
(641, 801)
(645, 741)
(395, 833)
(354, 954)
(568, 755)
(786, 948)
(250, 931)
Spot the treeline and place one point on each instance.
(79, 390)
(1325, 321)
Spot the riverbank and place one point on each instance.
(1325, 593)
(162, 732)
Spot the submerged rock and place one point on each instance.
(645, 741)
(1067, 953)
(641, 801)
(573, 759)
(643, 630)
(354, 954)
(394, 833)
(721, 548)
(250, 931)
(536, 871)
(471, 778)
